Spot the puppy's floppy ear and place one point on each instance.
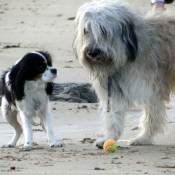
(48, 56)
(49, 88)
(130, 40)
(17, 77)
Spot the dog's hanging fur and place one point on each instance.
(137, 52)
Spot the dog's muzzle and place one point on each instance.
(94, 54)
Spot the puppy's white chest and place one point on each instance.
(35, 100)
(36, 103)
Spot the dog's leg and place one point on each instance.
(47, 126)
(42, 124)
(113, 127)
(11, 117)
(151, 123)
(26, 123)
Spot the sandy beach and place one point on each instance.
(48, 25)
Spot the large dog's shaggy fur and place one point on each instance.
(133, 58)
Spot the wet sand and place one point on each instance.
(37, 25)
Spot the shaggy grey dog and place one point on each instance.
(131, 61)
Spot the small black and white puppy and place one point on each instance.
(26, 87)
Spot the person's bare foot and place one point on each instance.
(158, 5)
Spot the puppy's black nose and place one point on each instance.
(93, 52)
(54, 71)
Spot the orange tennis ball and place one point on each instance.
(110, 146)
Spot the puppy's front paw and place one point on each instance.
(8, 146)
(56, 142)
(99, 143)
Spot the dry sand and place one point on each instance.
(38, 24)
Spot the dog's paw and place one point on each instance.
(56, 142)
(99, 143)
(140, 141)
(8, 146)
(27, 146)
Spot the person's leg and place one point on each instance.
(157, 4)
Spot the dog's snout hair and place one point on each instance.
(93, 52)
(112, 33)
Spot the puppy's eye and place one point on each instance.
(42, 66)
